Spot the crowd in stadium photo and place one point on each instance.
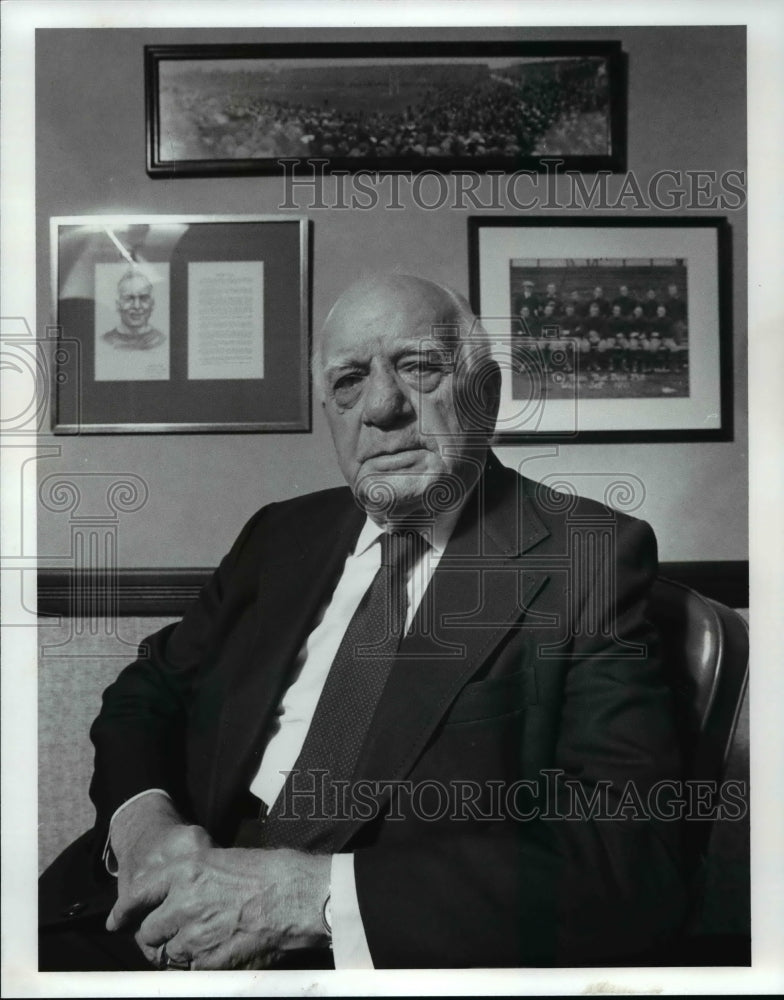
(388, 112)
(596, 338)
(493, 119)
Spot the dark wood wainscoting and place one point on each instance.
(167, 592)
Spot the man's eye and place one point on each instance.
(424, 372)
(347, 388)
(347, 381)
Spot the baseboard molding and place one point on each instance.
(168, 592)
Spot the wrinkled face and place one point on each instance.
(395, 396)
(135, 302)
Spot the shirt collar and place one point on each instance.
(436, 532)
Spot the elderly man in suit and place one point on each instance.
(400, 726)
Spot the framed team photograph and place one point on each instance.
(168, 324)
(607, 329)
(245, 109)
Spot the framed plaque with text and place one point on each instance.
(180, 324)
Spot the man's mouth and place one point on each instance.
(398, 459)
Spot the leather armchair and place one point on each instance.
(706, 647)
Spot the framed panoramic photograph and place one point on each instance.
(233, 109)
(607, 329)
(170, 324)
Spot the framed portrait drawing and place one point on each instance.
(607, 329)
(171, 324)
(245, 109)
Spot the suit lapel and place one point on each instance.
(480, 590)
(292, 589)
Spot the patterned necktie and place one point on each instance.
(304, 815)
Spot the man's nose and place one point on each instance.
(386, 401)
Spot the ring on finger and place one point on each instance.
(165, 961)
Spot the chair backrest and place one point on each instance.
(705, 648)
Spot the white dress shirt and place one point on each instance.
(298, 705)
(295, 712)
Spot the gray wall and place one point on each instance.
(687, 110)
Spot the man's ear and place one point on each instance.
(482, 396)
(491, 388)
(489, 393)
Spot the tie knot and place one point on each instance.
(401, 549)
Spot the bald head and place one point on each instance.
(409, 387)
(426, 306)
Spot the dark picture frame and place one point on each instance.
(180, 324)
(218, 110)
(592, 373)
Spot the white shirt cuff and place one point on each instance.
(349, 944)
(108, 857)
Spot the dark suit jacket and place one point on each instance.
(530, 660)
